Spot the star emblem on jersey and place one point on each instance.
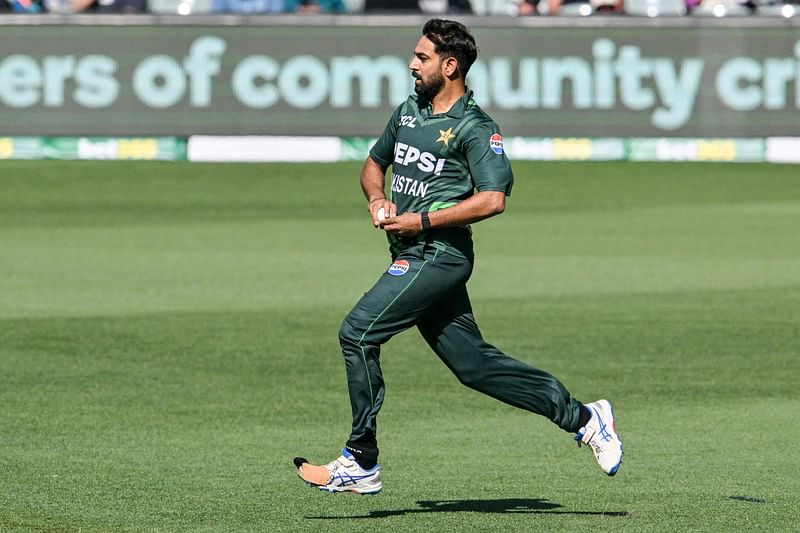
(445, 135)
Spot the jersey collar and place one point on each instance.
(458, 109)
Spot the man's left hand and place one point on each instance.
(405, 225)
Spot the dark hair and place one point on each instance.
(452, 39)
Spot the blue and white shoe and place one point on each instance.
(342, 475)
(600, 434)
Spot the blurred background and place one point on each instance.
(650, 8)
(254, 80)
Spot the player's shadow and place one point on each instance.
(500, 506)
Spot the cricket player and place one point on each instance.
(448, 170)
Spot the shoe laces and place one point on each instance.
(334, 465)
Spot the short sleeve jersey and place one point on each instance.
(440, 160)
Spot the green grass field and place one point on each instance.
(168, 344)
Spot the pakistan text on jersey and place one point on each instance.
(405, 155)
(408, 186)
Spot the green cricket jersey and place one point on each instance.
(440, 160)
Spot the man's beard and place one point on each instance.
(430, 89)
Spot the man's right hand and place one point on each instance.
(375, 206)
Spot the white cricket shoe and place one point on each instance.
(600, 434)
(342, 475)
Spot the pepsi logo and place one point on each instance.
(398, 268)
(496, 143)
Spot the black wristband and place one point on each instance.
(426, 222)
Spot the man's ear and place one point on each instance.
(450, 67)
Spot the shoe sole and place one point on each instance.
(621, 447)
(360, 492)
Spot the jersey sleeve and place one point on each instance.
(486, 157)
(383, 149)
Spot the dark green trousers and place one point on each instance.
(426, 288)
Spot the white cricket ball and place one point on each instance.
(381, 214)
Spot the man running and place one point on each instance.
(449, 170)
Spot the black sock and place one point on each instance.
(365, 455)
(586, 415)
